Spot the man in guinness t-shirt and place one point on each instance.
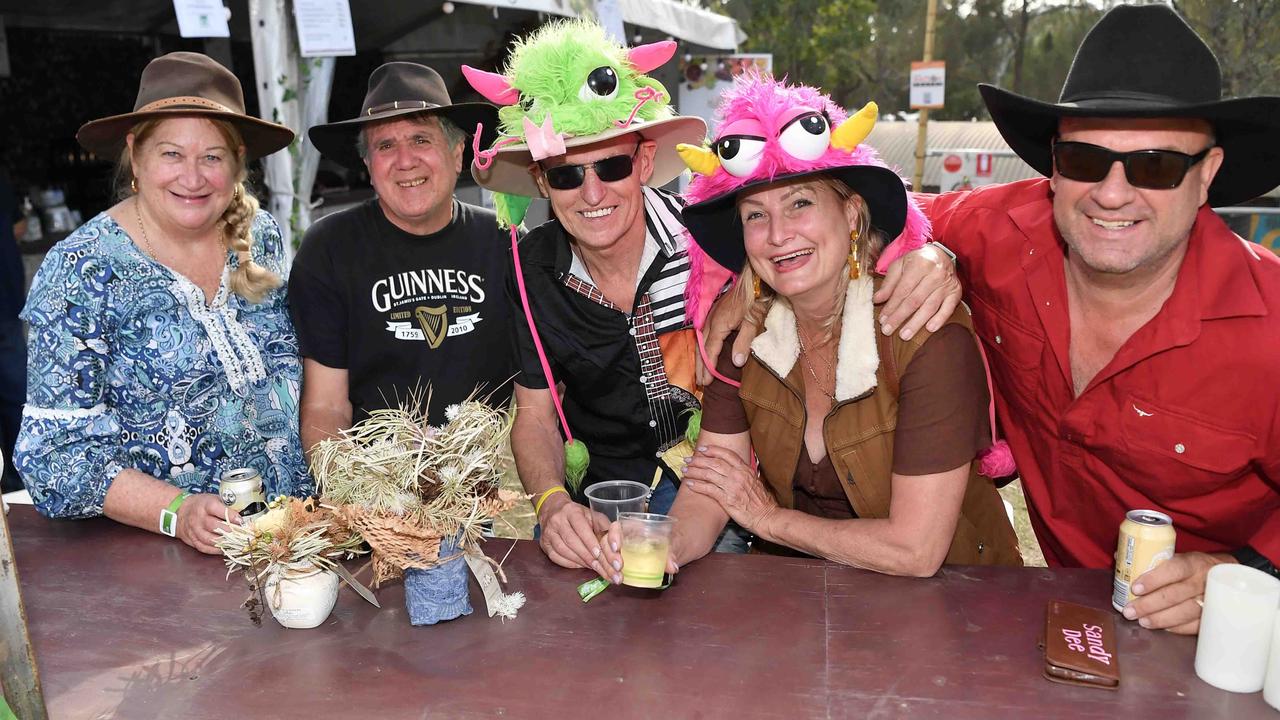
(404, 291)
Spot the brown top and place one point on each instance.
(942, 418)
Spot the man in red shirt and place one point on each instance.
(1133, 338)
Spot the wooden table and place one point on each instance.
(133, 625)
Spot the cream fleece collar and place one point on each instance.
(857, 359)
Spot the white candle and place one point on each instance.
(1235, 628)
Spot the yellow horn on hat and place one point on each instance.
(699, 159)
(856, 128)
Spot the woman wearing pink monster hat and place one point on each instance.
(866, 444)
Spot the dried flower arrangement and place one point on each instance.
(406, 487)
(294, 536)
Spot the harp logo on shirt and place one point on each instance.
(434, 322)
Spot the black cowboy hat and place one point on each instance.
(1143, 62)
(403, 88)
(715, 225)
(184, 84)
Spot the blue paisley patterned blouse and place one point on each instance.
(128, 368)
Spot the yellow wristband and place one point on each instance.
(537, 506)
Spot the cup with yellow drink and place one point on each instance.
(646, 543)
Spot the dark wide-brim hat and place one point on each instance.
(1146, 62)
(397, 89)
(184, 84)
(716, 227)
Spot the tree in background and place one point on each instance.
(972, 38)
(818, 43)
(1245, 35)
(861, 50)
(1053, 35)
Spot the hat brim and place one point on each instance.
(1245, 129)
(337, 140)
(714, 224)
(509, 172)
(106, 136)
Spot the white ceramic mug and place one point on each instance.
(1271, 688)
(1236, 626)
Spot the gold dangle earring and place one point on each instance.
(855, 270)
(755, 285)
(133, 185)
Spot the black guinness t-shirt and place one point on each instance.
(399, 311)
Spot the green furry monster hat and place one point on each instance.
(568, 85)
(565, 86)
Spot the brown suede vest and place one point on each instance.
(859, 438)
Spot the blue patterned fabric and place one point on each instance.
(128, 368)
(439, 594)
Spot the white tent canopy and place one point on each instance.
(296, 90)
(685, 22)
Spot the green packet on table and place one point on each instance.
(595, 586)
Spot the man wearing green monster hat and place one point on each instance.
(598, 292)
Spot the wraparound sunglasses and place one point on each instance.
(610, 169)
(1151, 169)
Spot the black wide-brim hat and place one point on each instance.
(714, 224)
(403, 88)
(1146, 62)
(183, 84)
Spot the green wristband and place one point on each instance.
(169, 515)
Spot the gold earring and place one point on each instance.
(855, 270)
(755, 285)
(235, 194)
(133, 185)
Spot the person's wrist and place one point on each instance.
(1254, 559)
(943, 249)
(169, 515)
(550, 502)
(762, 523)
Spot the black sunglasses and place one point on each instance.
(1150, 169)
(610, 169)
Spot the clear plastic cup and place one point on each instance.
(618, 496)
(646, 543)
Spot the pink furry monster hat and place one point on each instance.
(768, 131)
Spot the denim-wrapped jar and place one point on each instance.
(438, 594)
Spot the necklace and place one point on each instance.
(137, 209)
(804, 357)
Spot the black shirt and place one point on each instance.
(399, 311)
(626, 410)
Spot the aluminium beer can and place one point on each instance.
(1146, 540)
(241, 491)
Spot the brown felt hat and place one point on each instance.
(186, 83)
(404, 88)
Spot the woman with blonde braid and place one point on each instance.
(162, 354)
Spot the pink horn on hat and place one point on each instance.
(494, 87)
(651, 56)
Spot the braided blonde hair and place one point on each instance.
(249, 280)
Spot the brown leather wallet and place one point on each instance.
(1080, 646)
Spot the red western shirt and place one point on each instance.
(1185, 419)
